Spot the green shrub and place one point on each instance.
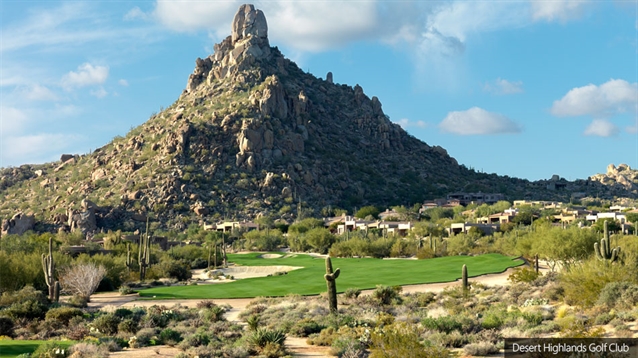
(106, 324)
(305, 327)
(77, 301)
(400, 340)
(445, 324)
(27, 293)
(480, 349)
(352, 293)
(49, 349)
(63, 314)
(263, 336)
(179, 270)
(213, 314)
(170, 337)
(128, 325)
(492, 320)
(126, 290)
(524, 274)
(385, 295)
(29, 309)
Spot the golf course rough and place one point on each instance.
(310, 279)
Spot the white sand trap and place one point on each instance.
(256, 271)
(270, 256)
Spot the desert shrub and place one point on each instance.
(106, 323)
(213, 314)
(27, 293)
(262, 336)
(444, 324)
(603, 318)
(305, 327)
(6, 326)
(78, 301)
(82, 279)
(253, 322)
(400, 340)
(199, 263)
(348, 347)
(89, 350)
(145, 337)
(618, 295)
(352, 293)
(493, 320)
(584, 282)
(126, 290)
(419, 299)
(170, 337)
(63, 314)
(524, 274)
(533, 318)
(128, 325)
(170, 268)
(385, 295)
(49, 349)
(29, 309)
(480, 349)
(194, 340)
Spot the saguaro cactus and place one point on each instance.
(464, 277)
(48, 266)
(604, 250)
(331, 282)
(129, 260)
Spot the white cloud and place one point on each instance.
(13, 120)
(36, 92)
(86, 75)
(632, 129)
(405, 123)
(99, 93)
(558, 10)
(477, 121)
(610, 98)
(123, 82)
(502, 86)
(36, 148)
(601, 128)
(135, 13)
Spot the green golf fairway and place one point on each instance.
(360, 273)
(13, 348)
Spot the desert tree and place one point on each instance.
(82, 279)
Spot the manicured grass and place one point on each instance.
(358, 273)
(13, 348)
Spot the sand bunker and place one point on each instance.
(270, 256)
(255, 271)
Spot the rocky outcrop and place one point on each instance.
(18, 224)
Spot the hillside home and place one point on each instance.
(477, 198)
(620, 217)
(457, 228)
(498, 218)
(229, 226)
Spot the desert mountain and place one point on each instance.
(253, 133)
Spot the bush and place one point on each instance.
(400, 340)
(29, 309)
(618, 294)
(385, 295)
(77, 301)
(82, 279)
(305, 327)
(63, 314)
(106, 324)
(352, 293)
(170, 337)
(174, 269)
(445, 324)
(28, 293)
(524, 274)
(263, 336)
(480, 349)
(126, 290)
(128, 325)
(89, 350)
(49, 349)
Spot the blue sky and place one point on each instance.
(519, 88)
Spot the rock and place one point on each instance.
(66, 157)
(98, 174)
(138, 217)
(611, 169)
(249, 22)
(286, 192)
(39, 172)
(201, 211)
(18, 224)
(329, 77)
(134, 195)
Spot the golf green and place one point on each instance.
(360, 273)
(13, 348)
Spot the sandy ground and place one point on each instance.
(297, 346)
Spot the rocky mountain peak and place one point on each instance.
(249, 22)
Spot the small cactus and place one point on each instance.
(331, 278)
(604, 250)
(464, 277)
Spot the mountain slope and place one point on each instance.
(250, 133)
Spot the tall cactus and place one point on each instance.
(48, 266)
(331, 283)
(129, 260)
(604, 250)
(464, 278)
(144, 253)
